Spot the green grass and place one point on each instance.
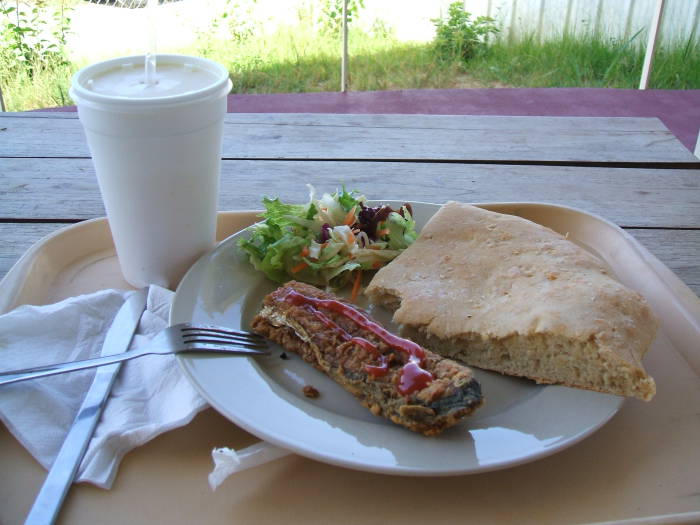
(589, 61)
(46, 87)
(291, 62)
(33, 70)
(294, 60)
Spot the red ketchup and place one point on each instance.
(413, 375)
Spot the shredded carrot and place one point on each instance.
(299, 267)
(304, 251)
(383, 232)
(350, 238)
(356, 285)
(377, 264)
(350, 217)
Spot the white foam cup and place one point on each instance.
(157, 154)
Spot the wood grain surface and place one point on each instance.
(390, 137)
(38, 189)
(677, 249)
(48, 177)
(631, 171)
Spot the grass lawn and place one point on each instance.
(299, 59)
(586, 62)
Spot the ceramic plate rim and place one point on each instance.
(183, 310)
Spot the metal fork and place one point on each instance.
(177, 339)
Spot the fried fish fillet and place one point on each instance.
(391, 376)
(502, 293)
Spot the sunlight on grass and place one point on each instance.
(300, 58)
(586, 61)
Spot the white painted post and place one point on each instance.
(694, 21)
(651, 44)
(540, 21)
(598, 17)
(567, 18)
(344, 60)
(629, 18)
(513, 19)
(489, 7)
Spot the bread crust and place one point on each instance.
(479, 276)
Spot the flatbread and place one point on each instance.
(503, 293)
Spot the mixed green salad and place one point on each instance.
(328, 240)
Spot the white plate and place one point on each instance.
(519, 422)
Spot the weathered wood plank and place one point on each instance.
(41, 135)
(677, 249)
(40, 114)
(390, 137)
(67, 188)
(17, 238)
(391, 120)
(449, 137)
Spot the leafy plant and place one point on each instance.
(30, 40)
(458, 36)
(237, 19)
(331, 20)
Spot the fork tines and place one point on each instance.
(204, 334)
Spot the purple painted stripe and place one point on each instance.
(679, 110)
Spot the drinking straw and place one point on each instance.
(150, 62)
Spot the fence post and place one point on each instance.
(513, 19)
(540, 21)
(598, 16)
(628, 18)
(567, 18)
(489, 8)
(651, 45)
(344, 59)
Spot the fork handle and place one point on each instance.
(36, 372)
(49, 370)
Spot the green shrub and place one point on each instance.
(34, 67)
(458, 36)
(29, 40)
(331, 19)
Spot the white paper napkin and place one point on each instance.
(149, 397)
(227, 461)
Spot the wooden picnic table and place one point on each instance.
(631, 171)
